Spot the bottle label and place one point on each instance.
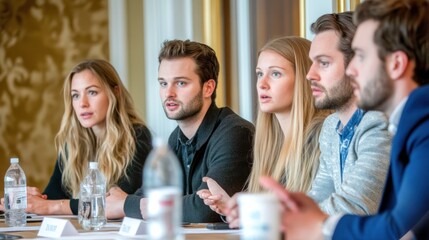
(16, 197)
(164, 212)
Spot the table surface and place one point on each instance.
(206, 236)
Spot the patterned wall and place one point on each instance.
(40, 41)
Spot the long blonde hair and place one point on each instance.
(293, 158)
(77, 145)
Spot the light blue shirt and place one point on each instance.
(346, 134)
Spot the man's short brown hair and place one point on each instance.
(403, 26)
(203, 55)
(342, 24)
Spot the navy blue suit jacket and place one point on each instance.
(421, 230)
(406, 195)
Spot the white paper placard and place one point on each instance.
(132, 227)
(56, 228)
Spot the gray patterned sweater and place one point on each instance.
(365, 167)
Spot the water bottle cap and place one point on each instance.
(14, 160)
(93, 165)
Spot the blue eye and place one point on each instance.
(162, 84)
(92, 92)
(276, 74)
(74, 96)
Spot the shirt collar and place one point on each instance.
(396, 116)
(183, 140)
(204, 130)
(352, 123)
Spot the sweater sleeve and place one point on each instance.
(323, 184)
(132, 204)
(228, 161)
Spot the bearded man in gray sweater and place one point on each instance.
(354, 144)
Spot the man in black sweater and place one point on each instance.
(209, 141)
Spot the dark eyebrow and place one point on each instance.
(175, 78)
(322, 56)
(74, 90)
(181, 78)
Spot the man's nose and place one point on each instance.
(312, 73)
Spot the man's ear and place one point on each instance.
(209, 88)
(397, 64)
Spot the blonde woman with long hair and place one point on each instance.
(99, 124)
(287, 126)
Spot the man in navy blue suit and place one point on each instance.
(390, 72)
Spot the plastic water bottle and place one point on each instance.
(162, 184)
(15, 195)
(92, 199)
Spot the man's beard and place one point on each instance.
(189, 110)
(337, 97)
(376, 92)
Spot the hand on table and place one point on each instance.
(143, 207)
(40, 205)
(34, 191)
(31, 191)
(2, 204)
(115, 201)
(214, 197)
(37, 203)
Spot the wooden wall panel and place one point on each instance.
(40, 41)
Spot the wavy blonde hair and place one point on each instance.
(77, 146)
(292, 159)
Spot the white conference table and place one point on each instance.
(111, 231)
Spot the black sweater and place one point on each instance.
(56, 190)
(223, 152)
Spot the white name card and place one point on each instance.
(56, 228)
(132, 227)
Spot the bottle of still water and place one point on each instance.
(92, 199)
(15, 195)
(162, 182)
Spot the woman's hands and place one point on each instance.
(38, 203)
(214, 197)
(115, 200)
(42, 206)
(31, 191)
